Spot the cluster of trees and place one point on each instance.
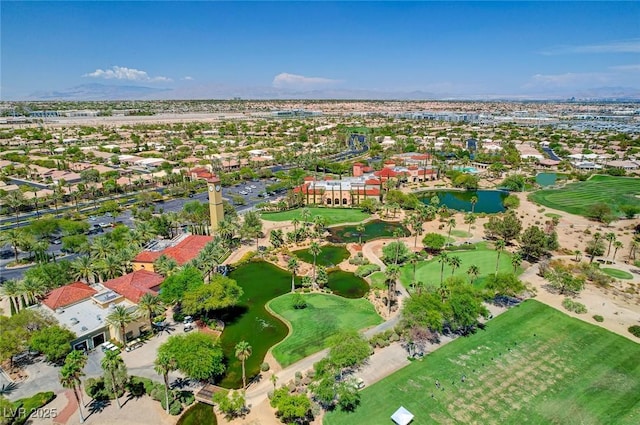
(32, 329)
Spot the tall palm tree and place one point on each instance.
(295, 223)
(455, 263)
(150, 306)
(243, 352)
(611, 237)
(120, 318)
(392, 273)
(474, 201)
(101, 247)
(617, 245)
(500, 244)
(516, 260)
(70, 375)
(473, 271)
(360, 229)
(443, 259)
(315, 250)
(14, 238)
(166, 266)
(633, 246)
(15, 200)
(113, 364)
(413, 260)
(451, 223)
(596, 239)
(145, 231)
(293, 267)
(470, 219)
(163, 365)
(83, 268)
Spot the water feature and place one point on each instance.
(330, 255)
(198, 414)
(489, 201)
(250, 321)
(470, 170)
(372, 230)
(347, 284)
(546, 179)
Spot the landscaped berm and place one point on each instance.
(532, 365)
(577, 198)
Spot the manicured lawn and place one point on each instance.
(428, 272)
(198, 414)
(324, 316)
(617, 274)
(576, 198)
(330, 255)
(378, 280)
(331, 215)
(532, 364)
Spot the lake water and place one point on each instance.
(489, 201)
(546, 179)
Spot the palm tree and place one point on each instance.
(470, 219)
(295, 223)
(611, 237)
(455, 263)
(14, 238)
(500, 244)
(578, 254)
(15, 200)
(391, 273)
(617, 245)
(121, 317)
(596, 239)
(452, 224)
(150, 306)
(12, 290)
(145, 231)
(293, 267)
(516, 260)
(243, 352)
(474, 201)
(83, 268)
(70, 375)
(166, 266)
(360, 229)
(473, 271)
(101, 247)
(113, 364)
(413, 260)
(163, 365)
(315, 250)
(273, 378)
(633, 246)
(443, 259)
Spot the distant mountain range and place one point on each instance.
(87, 92)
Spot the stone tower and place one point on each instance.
(216, 210)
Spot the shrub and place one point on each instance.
(574, 306)
(186, 397)
(358, 260)
(598, 318)
(299, 302)
(95, 388)
(265, 367)
(366, 270)
(635, 330)
(157, 393)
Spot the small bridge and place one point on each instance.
(205, 395)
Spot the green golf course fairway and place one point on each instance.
(531, 365)
(428, 272)
(577, 198)
(331, 215)
(325, 316)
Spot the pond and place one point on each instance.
(198, 414)
(347, 284)
(489, 201)
(546, 179)
(250, 321)
(372, 230)
(330, 255)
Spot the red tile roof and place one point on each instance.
(309, 178)
(386, 172)
(184, 252)
(134, 285)
(369, 192)
(203, 173)
(372, 181)
(68, 294)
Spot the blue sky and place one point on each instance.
(444, 48)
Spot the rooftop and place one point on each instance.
(134, 285)
(68, 295)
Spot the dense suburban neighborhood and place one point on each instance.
(336, 262)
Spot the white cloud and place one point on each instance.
(622, 46)
(188, 78)
(124, 73)
(286, 80)
(568, 79)
(626, 68)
